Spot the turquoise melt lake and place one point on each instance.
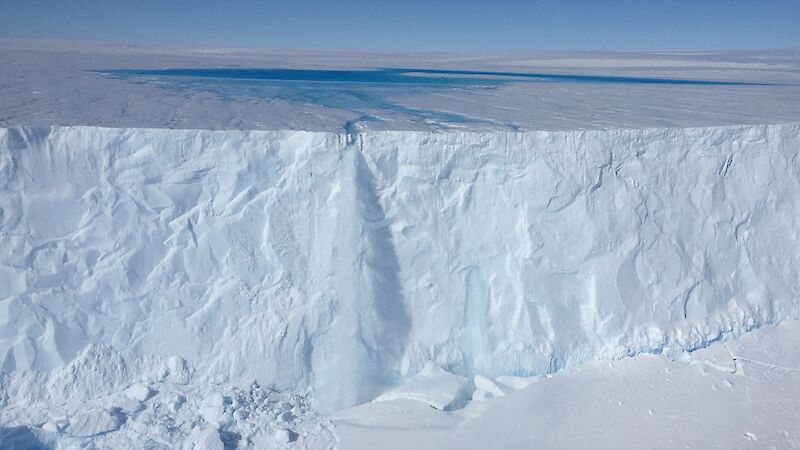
(365, 92)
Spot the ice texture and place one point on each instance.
(341, 264)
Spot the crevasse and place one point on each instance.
(341, 265)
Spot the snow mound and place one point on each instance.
(432, 386)
(341, 265)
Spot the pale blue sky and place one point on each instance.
(414, 25)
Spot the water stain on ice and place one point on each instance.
(20, 438)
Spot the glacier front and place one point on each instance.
(340, 264)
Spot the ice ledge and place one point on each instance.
(354, 128)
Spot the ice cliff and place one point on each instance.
(341, 264)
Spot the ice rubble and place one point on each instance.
(341, 265)
(149, 403)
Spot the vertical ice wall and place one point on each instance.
(310, 260)
(524, 252)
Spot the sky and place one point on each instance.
(414, 25)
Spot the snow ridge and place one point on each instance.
(340, 265)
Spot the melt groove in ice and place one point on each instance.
(340, 265)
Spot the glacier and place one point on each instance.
(340, 264)
(488, 250)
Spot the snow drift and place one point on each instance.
(342, 264)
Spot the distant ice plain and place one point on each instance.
(70, 91)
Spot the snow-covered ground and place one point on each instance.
(55, 84)
(516, 273)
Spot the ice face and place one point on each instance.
(345, 264)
